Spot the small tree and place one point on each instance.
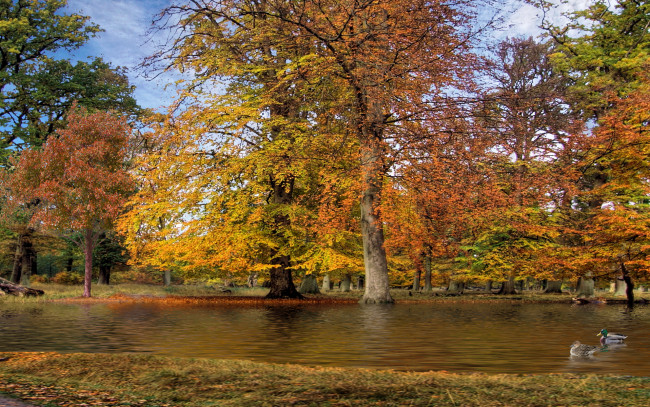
(78, 181)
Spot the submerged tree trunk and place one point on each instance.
(309, 285)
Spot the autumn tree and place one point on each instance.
(248, 152)
(77, 182)
(604, 50)
(616, 234)
(527, 116)
(441, 193)
(37, 90)
(387, 62)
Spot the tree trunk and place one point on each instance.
(18, 262)
(309, 285)
(7, 287)
(27, 262)
(281, 280)
(326, 282)
(427, 275)
(629, 285)
(346, 283)
(553, 286)
(585, 286)
(519, 285)
(456, 286)
(488, 286)
(374, 254)
(508, 287)
(89, 243)
(252, 279)
(167, 277)
(104, 275)
(416, 279)
(377, 288)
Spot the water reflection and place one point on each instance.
(525, 338)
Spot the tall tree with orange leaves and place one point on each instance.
(534, 135)
(604, 50)
(77, 184)
(380, 64)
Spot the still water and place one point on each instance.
(493, 338)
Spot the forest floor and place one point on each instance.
(53, 379)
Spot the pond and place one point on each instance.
(491, 338)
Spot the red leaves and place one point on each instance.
(79, 177)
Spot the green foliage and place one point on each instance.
(29, 31)
(42, 94)
(603, 50)
(110, 250)
(37, 90)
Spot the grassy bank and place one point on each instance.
(146, 292)
(51, 379)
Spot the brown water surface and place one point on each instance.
(494, 338)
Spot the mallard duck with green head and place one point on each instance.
(581, 350)
(608, 338)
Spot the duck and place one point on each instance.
(581, 350)
(607, 338)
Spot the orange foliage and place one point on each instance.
(78, 182)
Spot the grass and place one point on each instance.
(50, 379)
(149, 292)
(60, 291)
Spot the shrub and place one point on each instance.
(36, 278)
(68, 278)
(136, 276)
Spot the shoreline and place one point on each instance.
(73, 379)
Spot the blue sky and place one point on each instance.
(124, 41)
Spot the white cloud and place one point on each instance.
(527, 19)
(123, 41)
